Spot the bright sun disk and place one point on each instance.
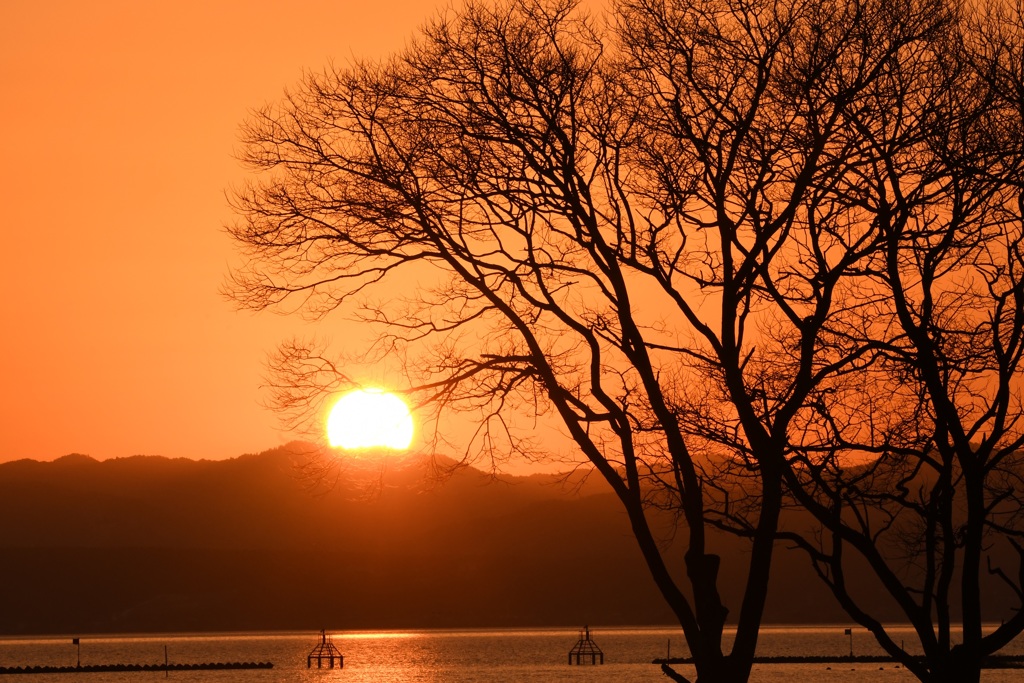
(370, 418)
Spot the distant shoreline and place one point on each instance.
(992, 662)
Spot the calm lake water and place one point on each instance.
(478, 656)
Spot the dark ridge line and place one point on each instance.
(107, 668)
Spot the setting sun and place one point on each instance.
(370, 418)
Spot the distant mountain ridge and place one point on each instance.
(150, 544)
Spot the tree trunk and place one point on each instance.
(968, 655)
(720, 670)
(959, 667)
(755, 593)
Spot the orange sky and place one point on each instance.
(120, 119)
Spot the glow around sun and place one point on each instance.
(370, 418)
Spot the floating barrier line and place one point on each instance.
(106, 668)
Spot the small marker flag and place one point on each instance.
(74, 641)
(847, 632)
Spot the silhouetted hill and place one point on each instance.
(155, 544)
(149, 543)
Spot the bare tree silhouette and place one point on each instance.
(671, 234)
(939, 410)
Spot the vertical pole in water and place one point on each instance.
(166, 669)
(668, 650)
